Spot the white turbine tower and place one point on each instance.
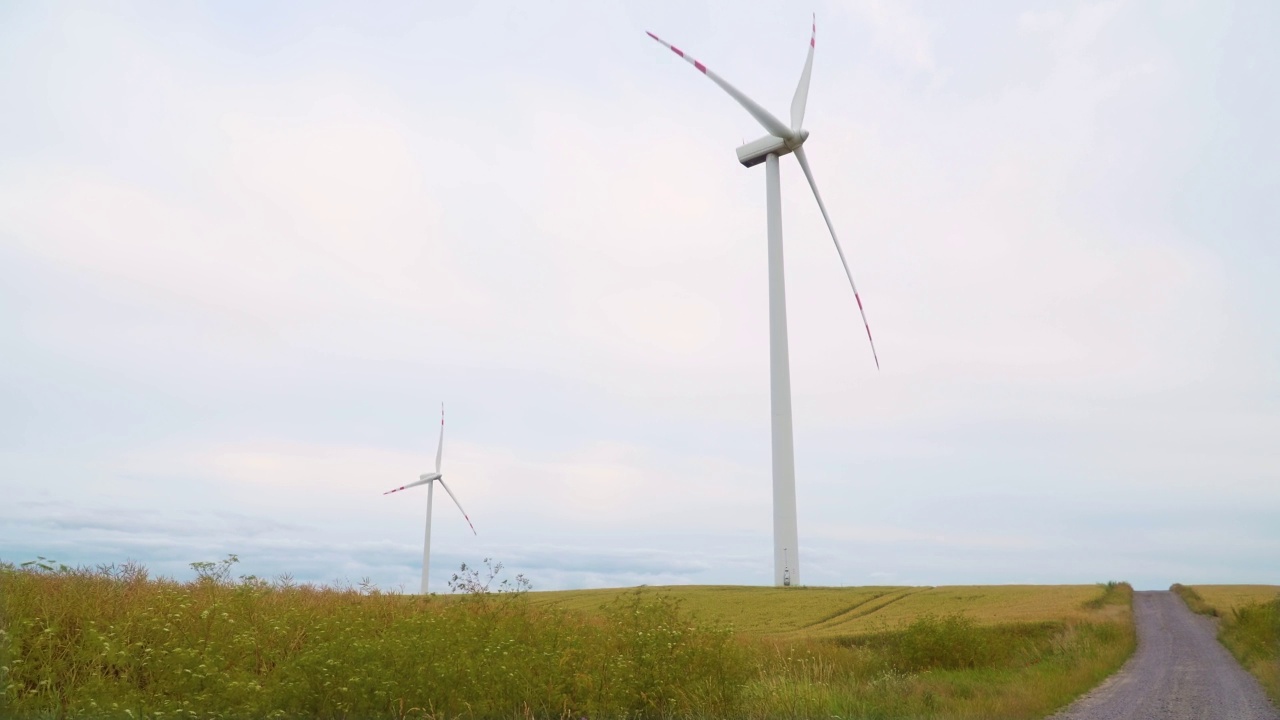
(430, 479)
(780, 141)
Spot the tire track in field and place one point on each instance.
(853, 614)
(845, 610)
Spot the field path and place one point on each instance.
(1179, 672)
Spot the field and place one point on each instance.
(1249, 625)
(819, 613)
(1225, 597)
(112, 642)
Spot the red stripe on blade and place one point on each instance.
(867, 325)
(700, 66)
(874, 355)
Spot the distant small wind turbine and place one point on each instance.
(430, 479)
(782, 140)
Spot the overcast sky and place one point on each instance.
(247, 250)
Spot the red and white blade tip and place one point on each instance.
(701, 68)
(473, 527)
(396, 490)
(814, 37)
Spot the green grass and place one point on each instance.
(1249, 625)
(114, 643)
(1194, 601)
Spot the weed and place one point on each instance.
(468, 580)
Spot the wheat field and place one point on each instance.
(1225, 597)
(846, 611)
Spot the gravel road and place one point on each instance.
(1179, 672)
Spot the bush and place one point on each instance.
(954, 642)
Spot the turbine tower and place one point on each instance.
(781, 140)
(430, 480)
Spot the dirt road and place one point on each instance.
(1179, 672)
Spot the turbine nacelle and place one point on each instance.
(754, 152)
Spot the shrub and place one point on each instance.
(954, 642)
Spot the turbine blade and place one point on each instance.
(440, 445)
(804, 165)
(415, 483)
(762, 116)
(455, 502)
(802, 90)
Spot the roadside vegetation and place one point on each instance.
(112, 642)
(1249, 625)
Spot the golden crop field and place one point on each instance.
(755, 610)
(1224, 597)
(838, 612)
(113, 642)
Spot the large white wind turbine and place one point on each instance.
(781, 140)
(430, 480)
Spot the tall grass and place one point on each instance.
(112, 642)
(1194, 601)
(115, 643)
(939, 667)
(1250, 631)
